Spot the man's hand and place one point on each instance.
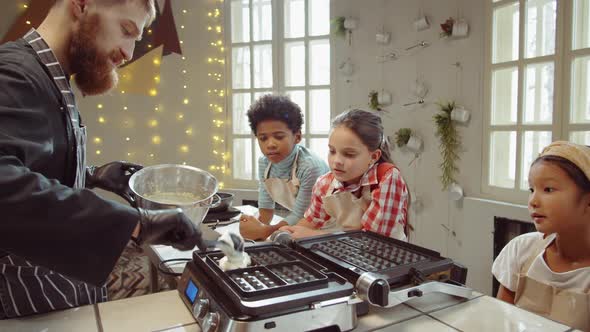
(253, 229)
(113, 177)
(170, 227)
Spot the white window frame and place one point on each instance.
(278, 47)
(560, 128)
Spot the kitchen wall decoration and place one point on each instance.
(419, 90)
(407, 138)
(456, 28)
(460, 114)
(382, 37)
(449, 143)
(346, 68)
(343, 26)
(421, 23)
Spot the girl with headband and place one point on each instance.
(548, 271)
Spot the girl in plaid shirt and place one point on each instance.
(364, 190)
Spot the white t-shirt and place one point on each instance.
(516, 253)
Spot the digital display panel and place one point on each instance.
(191, 291)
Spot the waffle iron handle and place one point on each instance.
(374, 289)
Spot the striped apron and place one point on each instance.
(27, 289)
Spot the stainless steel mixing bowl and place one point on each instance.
(175, 179)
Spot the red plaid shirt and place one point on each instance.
(388, 208)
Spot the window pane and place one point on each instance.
(259, 94)
(532, 144)
(261, 20)
(240, 21)
(294, 18)
(538, 89)
(319, 146)
(242, 158)
(241, 67)
(258, 154)
(240, 105)
(580, 137)
(505, 33)
(294, 64)
(319, 62)
(319, 111)
(580, 99)
(319, 17)
(581, 24)
(540, 27)
(504, 96)
(263, 66)
(298, 97)
(502, 159)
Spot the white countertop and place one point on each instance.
(165, 311)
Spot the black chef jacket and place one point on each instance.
(42, 219)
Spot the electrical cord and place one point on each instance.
(163, 263)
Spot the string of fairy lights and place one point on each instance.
(216, 92)
(215, 60)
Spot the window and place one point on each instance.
(277, 46)
(537, 87)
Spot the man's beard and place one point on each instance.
(93, 71)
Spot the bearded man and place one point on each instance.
(58, 239)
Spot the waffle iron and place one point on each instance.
(316, 283)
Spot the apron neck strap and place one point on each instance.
(539, 247)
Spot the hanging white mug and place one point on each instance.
(345, 68)
(384, 98)
(455, 192)
(414, 143)
(419, 89)
(416, 202)
(460, 28)
(350, 23)
(382, 38)
(460, 114)
(421, 23)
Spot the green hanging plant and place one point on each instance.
(402, 136)
(450, 143)
(374, 100)
(338, 28)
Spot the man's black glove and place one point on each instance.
(170, 227)
(113, 177)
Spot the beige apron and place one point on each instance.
(283, 191)
(345, 209)
(571, 308)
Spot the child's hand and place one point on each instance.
(251, 228)
(298, 232)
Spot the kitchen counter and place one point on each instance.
(165, 311)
